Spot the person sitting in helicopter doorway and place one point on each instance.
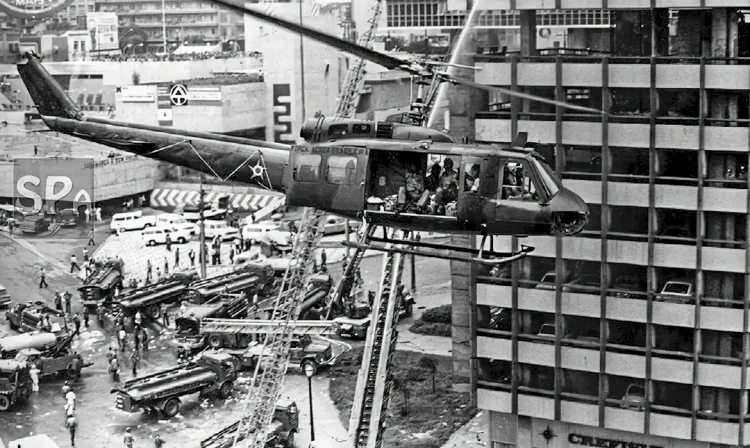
(414, 184)
(447, 190)
(471, 181)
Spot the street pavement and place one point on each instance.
(100, 424)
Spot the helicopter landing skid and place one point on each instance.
(442, 251)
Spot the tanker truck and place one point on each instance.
(252, 278)
(100, 285)
(187, 337)
(149, 299)
(210, 374)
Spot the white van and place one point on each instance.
(255, 232)
(131, 221)
(158, 235)
(176, 222)
(220, 228)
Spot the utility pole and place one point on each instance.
(164, 26)
(202, 250)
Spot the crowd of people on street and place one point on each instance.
(198, 56)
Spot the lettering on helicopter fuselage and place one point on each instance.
(330, 150)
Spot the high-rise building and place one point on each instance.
(635, 332)
(193, 21)
(74, 15)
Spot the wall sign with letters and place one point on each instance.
(599, 442)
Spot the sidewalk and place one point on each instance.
(474, 434)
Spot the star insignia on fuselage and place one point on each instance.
(258, 169)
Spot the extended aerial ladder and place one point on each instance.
(355, 77)
(345, 285)
(266, 385)
(256, 326)
(372, 394)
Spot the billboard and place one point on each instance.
(33, 9)
(52, 184)
(103, 29)
(134, 94)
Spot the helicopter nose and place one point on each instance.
(570, 213)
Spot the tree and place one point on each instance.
(402, 385)
(428, 363)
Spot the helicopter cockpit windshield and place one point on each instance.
(549, 180)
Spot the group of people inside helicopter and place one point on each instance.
(402, 186)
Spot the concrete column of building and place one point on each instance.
(528, 44)
(724, 39)
(463, 308)
(463, 100)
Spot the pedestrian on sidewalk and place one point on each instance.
(121, 338)
(158, 442)
(85, 255)
(85, 317)
(110, 355)
(77, 323)
(34, 373)
(91, 239)
(42, 279)
(76, 368)
(168, 241)
(144, 340)
(176, 257)
(71, 424)
(165, 317)
(323, 257)
(158, 275)
(128, 439)
(191, 255)
(166, 266)
(134, 358)
(67, 298)
(148, 271)
(58, 301)
(136, 338)
(114, 368)
(231, 255)
(74, 263)
(138, 319)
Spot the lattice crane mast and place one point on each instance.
(273, 361)
(355, 77)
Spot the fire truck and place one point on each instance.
(212, 374)
(284, 425)
(187, 337)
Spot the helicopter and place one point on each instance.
(387, 173)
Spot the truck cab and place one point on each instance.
(24, 317)
(15, 383)
(302, 351)
(50, 365)
(34, 224)
(284, 425)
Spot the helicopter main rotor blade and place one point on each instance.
(349, 47)
(468, 82)
(382, 59)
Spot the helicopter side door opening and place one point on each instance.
(412, 187)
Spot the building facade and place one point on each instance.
(192, 21)
(633, 333)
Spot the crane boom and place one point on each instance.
(355, 77)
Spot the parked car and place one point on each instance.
(627, 287)
(177, 222)
(677, 289)
(158, 235)
(192, 213)
(34, 224)
(68, 217)
(547, 282)
(584, 284)
(131, 221)
(335, 224)
(635, 397)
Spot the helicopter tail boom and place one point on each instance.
(226, 157)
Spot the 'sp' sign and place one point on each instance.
(50, 185)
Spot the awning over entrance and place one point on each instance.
(171, 198)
